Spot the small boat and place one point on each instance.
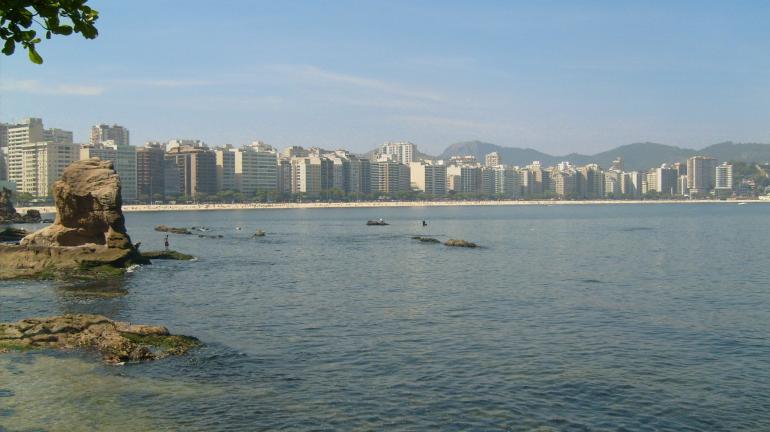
(376, 222)
(741, 203)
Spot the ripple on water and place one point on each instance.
(329, 324)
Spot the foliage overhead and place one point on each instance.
(55, 17)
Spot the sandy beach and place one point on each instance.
(374, 204)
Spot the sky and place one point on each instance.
(557, 76)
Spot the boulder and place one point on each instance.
(172, 230)
(460, 243)
(88, 209)
(116, 341)
(88, 236)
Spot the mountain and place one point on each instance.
(637, 156)
(728, 151)
(509, 155)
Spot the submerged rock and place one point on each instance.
(426, 239)
(460, 243)
(116, 341)
(172, 230)
(88, 237)
(8, 212)
(167, 255)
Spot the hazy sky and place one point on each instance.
(555, 76)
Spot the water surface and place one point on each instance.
(627, 317)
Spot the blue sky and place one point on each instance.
(556, 76)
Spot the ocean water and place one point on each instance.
(595, 317)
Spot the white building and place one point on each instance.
(30, 148)
(42, 163)
(724, 177)
(492, 159)
(428, 178)
(401, 151)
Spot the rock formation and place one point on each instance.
(460, 243)
(426, 239)
(172, 230)
(88, 233)
(8, 212)
(116, 341)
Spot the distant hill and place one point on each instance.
(637, 156)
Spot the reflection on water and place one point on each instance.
(570, 318)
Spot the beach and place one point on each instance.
(378, 204)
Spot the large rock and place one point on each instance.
(116, 341)
(88, 236)
(88, 209)
(8, 213)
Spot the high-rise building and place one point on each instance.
(256, 168)
(540, 179)
(42, 163)
(402, 152)
(390, 177)
(564, 183)
(102, 132)
(464, 178)
(665, 179)
(590, 182)
(701, 171)
(197, 170)
(428, 177)
(284, 175)
(225, 168)
(150, 178)
(28, 143)
(631, 184)
(360, 176)
(492, 159)
(123, 159)
(724, 178)
(613, 184)
(311, 175)
(506, 181)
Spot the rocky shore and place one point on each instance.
(88, 238)
(115, 341)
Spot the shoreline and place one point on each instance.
(381, 204)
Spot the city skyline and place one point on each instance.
(588, 79)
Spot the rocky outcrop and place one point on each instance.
(88, 236)
(460, 243)
(116, 341)
(426, 239)
(167, 255)
(172, 230)
(8, 213)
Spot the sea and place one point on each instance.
(567, 318)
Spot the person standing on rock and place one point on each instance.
(166, 241)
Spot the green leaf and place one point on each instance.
(34, 57)
(9, 47)
(64, 30)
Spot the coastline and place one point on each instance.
(381, 204)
